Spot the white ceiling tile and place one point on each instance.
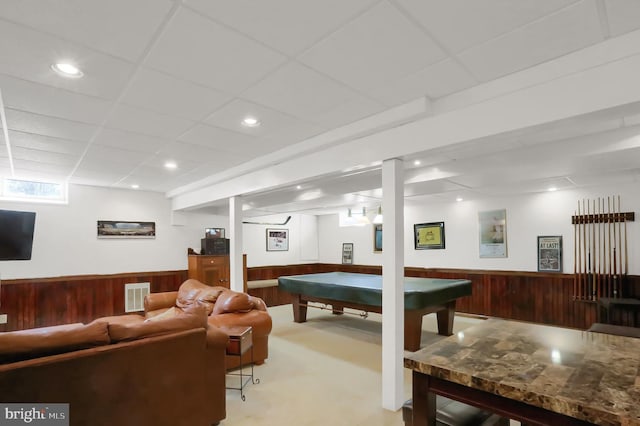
(292, 134)
(155, 165)
(119, 27)
(272, 122)
(46, 143)
(147, 122)
(49, 126)
(271, 22)
(623, 16)
(129, 141)
(159, 92)
(354, 109)
(179, 151)
(436, 80)
(299, 91)
(198, 49)
(460, 24)
(21, 153)
(379, 46)
(224, 140)
(46, 100)
(31, 59)
(569, 30)
(108, 155)
(25, 168)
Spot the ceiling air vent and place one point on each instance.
(134, 296)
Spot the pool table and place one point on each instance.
(364, 292)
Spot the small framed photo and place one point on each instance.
(550, 254)
(214, 233)
(347, 253)
(377, 238)
(277, 239)
(428, 236)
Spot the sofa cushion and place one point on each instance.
(193, 292)
(231, 301)
(37, 342)
(169, 313)
(193, 317)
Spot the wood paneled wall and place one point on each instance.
(543, 298)
(527, 296)
(32, 303)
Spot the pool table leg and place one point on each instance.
(445, 319)
(412, 330)
(299, 308)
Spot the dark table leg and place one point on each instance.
(412, 329)
(424, 402)
(299, 308)
(445, 319)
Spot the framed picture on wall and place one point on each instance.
(493, 233)
(123, 229)
(277, 239)
(550, 254)
(347, 253)
(377, 237)
(427, 236)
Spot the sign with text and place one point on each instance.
(34, 414)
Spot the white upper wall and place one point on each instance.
(66, 243)
(528, 216)
(65, 239)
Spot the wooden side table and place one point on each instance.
(240, 341)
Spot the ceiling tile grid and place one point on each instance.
(172, 80)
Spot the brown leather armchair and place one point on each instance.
(225, 308)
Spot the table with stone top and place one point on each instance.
(532, 373)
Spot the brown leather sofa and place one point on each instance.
(120, 370)
(225, 308)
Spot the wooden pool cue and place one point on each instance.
(575, 255)
(593, 246)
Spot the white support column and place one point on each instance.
(393, 284)
(235, 250)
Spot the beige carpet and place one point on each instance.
(326, 371)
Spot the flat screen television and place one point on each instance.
(16, 234)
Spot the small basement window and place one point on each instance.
(29, 190)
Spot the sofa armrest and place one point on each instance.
(216, 338)
(163, 300)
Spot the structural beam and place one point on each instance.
(235, 243)
(393, 285)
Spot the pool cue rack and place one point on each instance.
(601, 260)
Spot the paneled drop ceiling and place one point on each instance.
(172, 80)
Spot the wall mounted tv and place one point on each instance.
(16, 234)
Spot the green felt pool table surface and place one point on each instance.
(366, 289)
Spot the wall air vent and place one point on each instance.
(134, 296)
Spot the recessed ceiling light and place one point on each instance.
(67, 69)
(299, 187)
(170, 165)
(458, 199)
(135, 186)
(553, 188)
(416, 163)
(250, 122)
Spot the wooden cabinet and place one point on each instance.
(211, 270)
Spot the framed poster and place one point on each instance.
(493, 233)
(347, 253)
(550, 254)
(277, 239)
(428, 236)
(377, 238)
(122, 229)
